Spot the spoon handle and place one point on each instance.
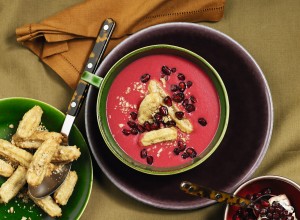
(205, 192)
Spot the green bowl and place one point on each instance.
(106, 83)
(11, 112)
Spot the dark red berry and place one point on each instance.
(133, 115)
(126, 132)
(143, 153)
(178, 97)
(147, 126)
(203, 122)
(191, 152)
(131, 124)
(181, 77)
(173, 70)
(171, 123)
(184, 155)
(189, 84)
(168, 101)
(174, 88)
(185, 102)
(193, 99)
(134, 131)
(158, 117)
(181, 86)
(163, 110)
(149, 160)
(166, 70)
(190, 108)
(181, 145)
(140, 128)
(265, 203)
(145, 78)
(176, 151)
(179, 115)
(155, 126)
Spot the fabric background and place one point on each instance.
(269, 31)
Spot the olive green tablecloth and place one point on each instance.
(269, 30)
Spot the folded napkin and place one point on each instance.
(64, 40)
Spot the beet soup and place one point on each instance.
(188, 89)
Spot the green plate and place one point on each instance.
(11, 112)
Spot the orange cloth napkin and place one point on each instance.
(64, 41)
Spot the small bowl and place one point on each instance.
(279, 185)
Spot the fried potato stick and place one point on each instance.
(6, 169)
(36, 139)
(30, 121)
(13, 184)
(14, 153)
(66, 154)
(65, 191)
(40, 161)
(48, 205)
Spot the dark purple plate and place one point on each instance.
(248, 133)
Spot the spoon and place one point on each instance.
(230, 199)
(51, 183)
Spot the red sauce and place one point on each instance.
(127, 92)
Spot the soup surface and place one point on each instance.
(200, 106)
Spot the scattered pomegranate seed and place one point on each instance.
(176, 151)
(133, 115)
(179, 115)
(143, 153)
(155, 126)
(202, 121)
(173, 70)
(131, 124)
(149, 160)
(163, 110)
(191, 152)
(134, 131)
(174, 88)
(166, 70)
(145, 78)
(265, 203)
(182, 86)
(147, 125)
(185, 102)
(171, 123)
(193, 99)
(140, 128)
(189, 84)
(190, 108)
(178, 97)
(181, 145)
(168, 101)
(126, 132)
(181, 77)
(184, 155)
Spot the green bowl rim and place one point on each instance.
(111, 141)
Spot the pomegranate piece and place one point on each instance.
(173, 70)
(155, 126)
(179, 115)
(176, 151)
(171, 123)
(134, 131)
(168, 101)
(145, 78)
(265, 203)
(203, 122)
(181, 86)
(143, 153)
(174, 88)
(149, 160)
(191, 152)
(147, 126)
(131, 124)
(185, 102)
(189, 84)
(184, 155)
(193, 99)
(133, 115)
(181, 145)
(163, 110)
(158, 117)
(190, 108)
(181, 77)
(178, 97)
(126, 132)
(166, 70)
(140, 128)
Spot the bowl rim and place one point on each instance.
(108, 137)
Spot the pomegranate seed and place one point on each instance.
(149, 160)
(190, 108)
(163, 110)
(168, 101)
(178, 97)
(202, 121)
(133, 115)
(162, 75)
(131, 124)
(173, 70)
(189, 84)
(176, 151)
(126, 132)
(143, 153)
(140, 128)
(181, 86)
(179, 115)
(265, 203)
(171, 123)
(166, 70)
(193, 99)
(181, 145)
(158, 117)
(155, 126)
(185, 102)
(145, 78)
(191, 152)
(174, 88)
(147, 125)
(134, 131)
(184, 155)
(181, 77)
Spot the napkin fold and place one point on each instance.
(64, 40)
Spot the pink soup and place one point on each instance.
(127, 92)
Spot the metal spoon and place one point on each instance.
(51, 183)
(230, 199)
